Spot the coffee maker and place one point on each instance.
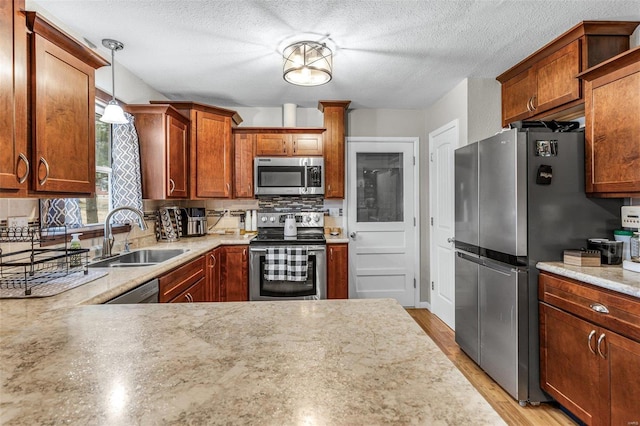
(194, 221)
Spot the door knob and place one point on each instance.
(450, 240)
(353, 235)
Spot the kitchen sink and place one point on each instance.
(138, 258)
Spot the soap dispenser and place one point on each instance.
(76, 259)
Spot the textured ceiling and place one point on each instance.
(388, 53)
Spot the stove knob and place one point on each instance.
(307, 218)
(316, 217)
(272, 219)
(263, 218)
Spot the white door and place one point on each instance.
(442, 143)
(382, 201)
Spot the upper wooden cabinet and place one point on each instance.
(612, 139)
(244, 151)
(288, 142)
(14, 160)
(62, 110)
(544, 85)
(334, 143)
(211, 158)
(163, 134)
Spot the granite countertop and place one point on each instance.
(612, 277)
(329, 362)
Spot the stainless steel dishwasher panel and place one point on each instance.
(145, 293)
(504, 326)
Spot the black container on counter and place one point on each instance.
(610, 251)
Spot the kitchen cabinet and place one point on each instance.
(589, 348)
(612, 137)
(14, 161)
(337, 271)
(163, 134)
(334, 147)
(186, 283)
(299, 142)
(62, 110)
(243, 165)
(213, 274)
(234, 283)
(211, 158)
(544, 85)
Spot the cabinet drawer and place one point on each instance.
(195, 293)
(583, 299)
(180, 279)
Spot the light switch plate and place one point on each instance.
(630, 216)
(17, 221)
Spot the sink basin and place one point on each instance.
(138, 258)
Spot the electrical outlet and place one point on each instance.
(17, 221)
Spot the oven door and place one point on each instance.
(315, 287)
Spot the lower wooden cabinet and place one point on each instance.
(337, 271)
(590, 350)
(234, 282)
(180, 284)
(213, 274)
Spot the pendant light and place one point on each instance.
(113, 112)
(307, 63)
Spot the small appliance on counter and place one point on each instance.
(631, 219)
(610, 251)
(194, 221)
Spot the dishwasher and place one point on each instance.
(145, 293)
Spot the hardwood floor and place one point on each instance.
(546, 414)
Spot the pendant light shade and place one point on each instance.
(113, 112)
(307, 63)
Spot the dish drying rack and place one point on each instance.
(34, 266)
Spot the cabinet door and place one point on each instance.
(13, 99)
(569, 364)
(174, 284)
(195, 293)
(333, 147)
(213, 275)
(177, 164)
(235, 274)
(623, 356)
(243, 178)
(517, 95)
(212, 156)
(272, 144)
(612, 140)
(337, 271)
(63, 115)
(306, 145)
(556, 78)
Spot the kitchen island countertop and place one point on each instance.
(612, 277)
(324, 362)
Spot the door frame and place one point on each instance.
(453, 124)
(416, 205)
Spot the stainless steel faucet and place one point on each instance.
(107, 242)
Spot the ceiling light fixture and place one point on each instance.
(113, 112)
(307, 63)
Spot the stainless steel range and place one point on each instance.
(288, 268)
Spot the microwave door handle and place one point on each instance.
(306, 178)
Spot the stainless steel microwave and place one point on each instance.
(288, 176)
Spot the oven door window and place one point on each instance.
(281, 176)
(290, 288)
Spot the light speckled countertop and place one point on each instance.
(66, 360)
(612, 277)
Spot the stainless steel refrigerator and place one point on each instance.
(519, 199)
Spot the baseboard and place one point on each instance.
(424, 305)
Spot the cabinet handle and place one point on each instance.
(529, 104)
(601, 309)
(533, 99)
(214, 261)
(244, 254)
(172, 186)
(331, 253)
(46, 168)
(294, 147)
(228, 185)
(23, 178)
(284, 147)
(250, 191)
(593, 333)
(600, 340)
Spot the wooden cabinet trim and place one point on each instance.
(278, 130)
(186, 106)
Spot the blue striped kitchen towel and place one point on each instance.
(297, 260)
(275, 264)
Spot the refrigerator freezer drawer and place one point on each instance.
(466, 305)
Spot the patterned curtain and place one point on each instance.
(56, 212)
(126, 182)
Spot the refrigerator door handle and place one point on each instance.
(504, 270)
(469, 258)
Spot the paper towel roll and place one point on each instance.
(289, 115)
